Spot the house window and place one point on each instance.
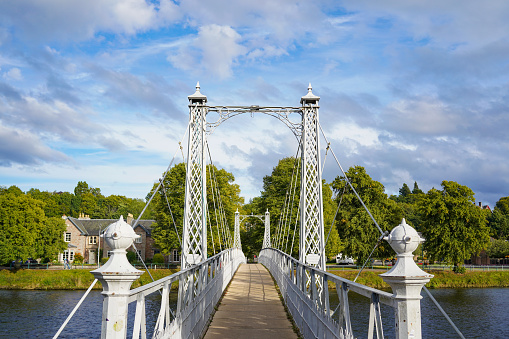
(92, 240)
(175, 256)
(68, 255)
(67, 236)
(138, 240)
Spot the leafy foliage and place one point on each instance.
(355, 227)
(25, 231)
(453, 226)
(164, 234)
(498, 248)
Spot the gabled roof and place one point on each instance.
(146, 225)
(94, 226)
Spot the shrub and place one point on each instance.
(131, 256)
(158, 258)
(78, 258)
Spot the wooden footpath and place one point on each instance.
(251, 308)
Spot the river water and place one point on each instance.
(478, 313)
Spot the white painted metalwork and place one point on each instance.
(190, 319)
(266, 220)
(116, 277)
(266, 234)
(283, 114)
(236, 231)
(406, 280)
(194, 235)
(194, 238)
(311, 309)
(312, 247)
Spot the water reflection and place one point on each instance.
(479, 313)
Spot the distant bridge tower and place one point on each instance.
(266, 235)
(236, 231)
(312, 249)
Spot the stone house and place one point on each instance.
(82, 236)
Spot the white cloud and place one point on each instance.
(214, 50)
(82, 20)
(351, 136)
(13, 74)
(425, 115)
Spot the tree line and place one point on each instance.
(31, 224)
(452, 224)
(448, 218)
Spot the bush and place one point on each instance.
(104, 260)
(131, 256)
(459, 269)
(158, 258)
(78, 258)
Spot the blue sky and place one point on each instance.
(97, 90)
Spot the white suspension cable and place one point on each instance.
(292, 203)
(171, 214)
(351, 186)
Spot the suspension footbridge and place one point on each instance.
(251, 307)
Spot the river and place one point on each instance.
(478, 313)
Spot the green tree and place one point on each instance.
(25, 231)
(404, 192)
(498, 223)
(356, 229)
(498, 248)
(503, 205)
(416, 189)
(453, 226)
(282, 188)
(164, 233)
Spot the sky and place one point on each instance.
(96, 91)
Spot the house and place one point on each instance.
(83, 236)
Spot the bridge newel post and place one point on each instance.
(406, 280)
(116, 277)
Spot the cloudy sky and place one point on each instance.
(97, 90)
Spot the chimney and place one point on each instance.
(480, 204)
(130, 219)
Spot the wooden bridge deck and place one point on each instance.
(251, 308)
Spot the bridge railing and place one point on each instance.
(206, 282)
(312, 312)
(190, 319)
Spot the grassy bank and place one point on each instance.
(442, 279)
(63, 279)
(81, 279)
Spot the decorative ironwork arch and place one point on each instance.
(281, 113)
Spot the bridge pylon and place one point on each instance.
(312, 248)
(236, 231)
(194, 235)
(266, 235)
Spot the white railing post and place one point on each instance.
(116, 277)
(406, 280)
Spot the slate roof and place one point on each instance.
(93, 226)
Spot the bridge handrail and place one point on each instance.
(204, 284)
(313, 316)
(158, 284)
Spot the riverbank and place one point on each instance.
(442, 279)
(79, 279)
